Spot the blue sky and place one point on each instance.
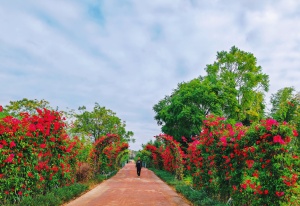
(128, 54)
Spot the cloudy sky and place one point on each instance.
(128, 54)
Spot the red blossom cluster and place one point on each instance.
(105, 152)
(36, 154)
(224, 158)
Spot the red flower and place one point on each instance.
(9, 158)
(266, 192)
(42, 146)
(12, 144)
(1, 108)
(295, 133)
(279, 194)
(30, 174)
(6, 192)
(1, 176)
(32, 128)
(249, 163)
(277, 139)
(20, 193)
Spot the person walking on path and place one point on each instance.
(138, 166)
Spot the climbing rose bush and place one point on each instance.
(36, 155)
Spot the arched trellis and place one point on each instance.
(99, 146)
(121, 155)
(111, 152)
(175, 151)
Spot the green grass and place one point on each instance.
(197, 197)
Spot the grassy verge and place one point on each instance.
(59, 196)
(197, 197)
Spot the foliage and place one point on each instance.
(105, 152)
(99, 122)
(254, 165)
(197, 197)
(157, 160)
(182, 113)
(233, 87)
(26, 105)
(172, 155)
(55, 197)
(36, 155)
(146, 157)
(286, 108)
(242, 84)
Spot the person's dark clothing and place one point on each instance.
(138, 167)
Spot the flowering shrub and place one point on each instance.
(105, 152)
(111, 152)
(270, 167)
(252, 165)
(36, 154)
(156, 155)
(172, 155)
(214, 158)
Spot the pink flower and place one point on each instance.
(223, 140)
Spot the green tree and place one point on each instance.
(182, 113)
(26, 105)
(99, 122)
(286, 107)
(243, 84)
(285, 104)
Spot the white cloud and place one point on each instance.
(127, 55)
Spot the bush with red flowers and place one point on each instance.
(36, 155)
(172, 155)
(106, 151)
(253, 166)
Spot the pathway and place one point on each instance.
(126, 188)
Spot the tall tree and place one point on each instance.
(182, 113)
(243, 84)
(233, 87)
(99, 122)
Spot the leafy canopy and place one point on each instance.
(233, 87)
(99, 122)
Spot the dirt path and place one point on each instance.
(126, 188)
